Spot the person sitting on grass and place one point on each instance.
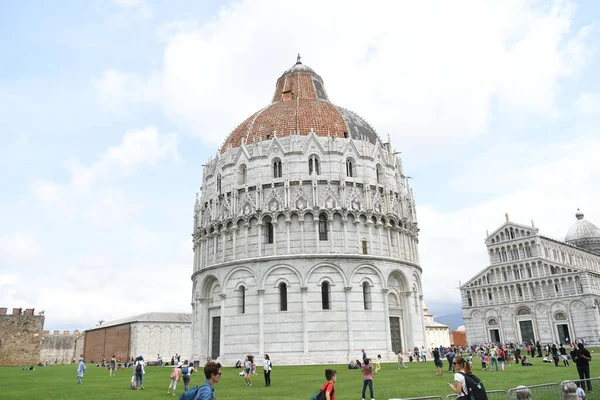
(525, 362)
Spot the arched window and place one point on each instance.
(416, 299)
(364, 246)
(269, 232)
(322, 227)
(277, 171)
(242, 299)
(313, 165)
(366, 295)
(470, 300)
(325, 295)
(243, 174)
(282, 296)
(519, 291)
(219, 184)
(379, 173)
(349, 167)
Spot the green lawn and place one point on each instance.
(60, 382)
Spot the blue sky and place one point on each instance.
(108, 109)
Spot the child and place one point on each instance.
(486, 360)
(580, 393)
(378, 363)
(328, 388)
(401, 360)
(175, 376)
(80, 371)
(367, 378)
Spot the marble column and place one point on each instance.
(348, 291)
(261, 321)
(386, 322)
(259, 225)
(223, 297)
(301, 222)
(304, 294)
(274, 224)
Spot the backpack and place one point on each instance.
(138, 367)
(475, 387)
(320, 395)
(190, 394)
(185, 370)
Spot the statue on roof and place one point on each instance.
(299, 59)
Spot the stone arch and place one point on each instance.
(394, 301)
(238, 275)
(208, 285)
(336, 269)
(397, 281)
(373, 269)
(523, 310)
(269, 271)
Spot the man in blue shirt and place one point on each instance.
(212, 372)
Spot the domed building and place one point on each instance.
(584, 234)
(305, 237)
(536, 288)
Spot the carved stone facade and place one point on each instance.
(305, 244)
(536, 289)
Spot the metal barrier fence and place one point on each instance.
(492, 395)
(547, 391)
(586, 385)
(419, 398)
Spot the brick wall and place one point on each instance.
(106, 342)
(20, 339)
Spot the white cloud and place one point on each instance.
(53, 196)
(547, 191)
(17, 248)
(415, 73)
(117, 91)
(142, 147)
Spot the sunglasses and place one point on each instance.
(455, 363)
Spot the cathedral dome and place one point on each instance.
(300, 105)
(582, 229)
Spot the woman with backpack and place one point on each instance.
(467, 385)
(138, 367)
(175, 376)
(186, 373)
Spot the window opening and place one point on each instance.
(325, 295)
(277, 171)
(242, 299)
(366, 295)
(349, 171)
(364, 247)
(322, 227)
(282, 297)
(269, 231)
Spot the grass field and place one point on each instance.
(301, 382)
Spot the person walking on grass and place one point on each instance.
(112, 365)
(138, 368)
(80, 371)
(401, 360)
(212, 372)
(437, 361)
(175, 377)
(582, 359)
(367, 369)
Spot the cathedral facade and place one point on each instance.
(536, 288)
(305, 237)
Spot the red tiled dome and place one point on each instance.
(300, 104)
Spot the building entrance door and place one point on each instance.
(395, 334)
(216, 338)
(527, 335)
(494, 335)
(563, 333)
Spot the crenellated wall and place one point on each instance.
(61, 347)
(20, 337)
